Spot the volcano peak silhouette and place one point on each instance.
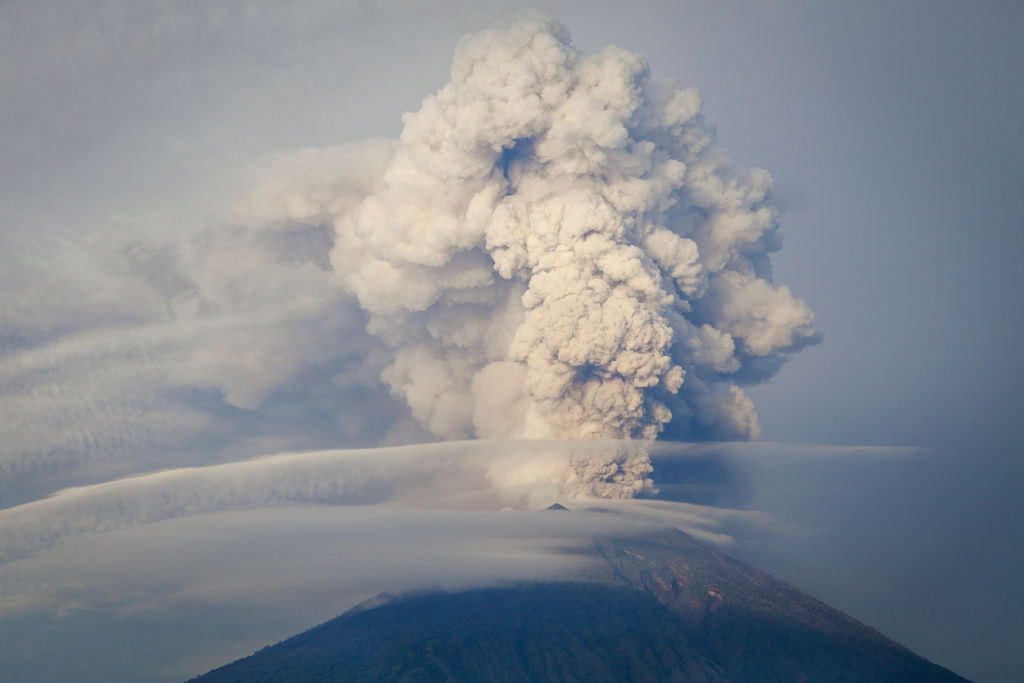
(655, 606)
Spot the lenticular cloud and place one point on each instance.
(556, 247)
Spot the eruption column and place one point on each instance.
(559, 249)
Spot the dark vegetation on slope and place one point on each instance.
(538, 632)
(661, 607)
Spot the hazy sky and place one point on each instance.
(894, 132)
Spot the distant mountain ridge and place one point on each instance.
(660, 607)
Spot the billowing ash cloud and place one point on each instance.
(557, 248)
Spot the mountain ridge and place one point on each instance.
(657, 605)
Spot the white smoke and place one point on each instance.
(558, 249)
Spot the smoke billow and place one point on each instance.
(557, 248)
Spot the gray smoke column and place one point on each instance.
(558, 248)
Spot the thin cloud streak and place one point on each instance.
(475, 474)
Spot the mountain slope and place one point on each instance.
(658, 606)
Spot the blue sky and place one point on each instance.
(894, 132)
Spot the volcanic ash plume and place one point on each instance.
(559, 249)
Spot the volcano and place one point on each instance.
(656, 606)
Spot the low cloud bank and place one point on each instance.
(197, 566)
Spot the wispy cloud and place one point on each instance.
(472, 474)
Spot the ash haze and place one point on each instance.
(241, 291)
